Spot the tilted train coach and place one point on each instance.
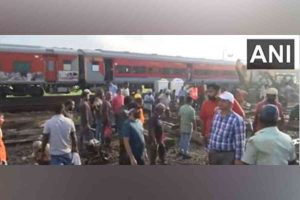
(33, 70)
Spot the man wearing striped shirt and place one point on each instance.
(228, 134)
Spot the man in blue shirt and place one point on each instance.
(133, 137)
(228, 134)
(113, 89)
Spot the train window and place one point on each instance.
(153, 70)
(167, 71)
(138, 70)
(178, 71)
(22, 67)
(205, 72)
(122, 69)
(50, 65)
(228, 73)
(95, 66)
(67, 65)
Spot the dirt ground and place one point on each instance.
(21, 129)
(28, 126)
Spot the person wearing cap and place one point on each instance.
(86, 119)
(209, 106)
(133, 137)
(271, 98)
(227, 135)
(269, 146)
(187, 118)
(156, 135)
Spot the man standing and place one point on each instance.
(133, 137)
(208, 108)
(228, 134)
(117, 103)
(113, 89)
(187, 118)
(148, 103)
(59, 132)
(269, 146)
(125, 90)
(271, 98)
(98, 104)
(165, 98)
(69, 109)
(124, 115)
(86, 118)
(156, 135)
(107, 115)
(182, 94)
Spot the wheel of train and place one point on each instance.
(36, 91)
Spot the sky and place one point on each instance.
(226, 47)
(210, 47)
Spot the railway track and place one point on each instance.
(27, 104)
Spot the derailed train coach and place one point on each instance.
(144, 69)
(33, 70)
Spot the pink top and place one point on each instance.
(117, 103)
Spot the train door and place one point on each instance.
(50, 69)
(82, 81)
(108, 69)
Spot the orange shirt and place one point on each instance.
(142, 117)
(2, 149)
(207, 112)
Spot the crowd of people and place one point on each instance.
(218, 113)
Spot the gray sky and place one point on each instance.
(228, 47)
(211, 47)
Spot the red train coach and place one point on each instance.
(142, 69)
(220, 72)
(146, 68)
(31, 70)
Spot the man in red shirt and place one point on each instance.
(117, 103)
(271, 98)
(209, 106)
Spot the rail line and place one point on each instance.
(27, 104)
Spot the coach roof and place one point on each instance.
(126, 54)
(35, 49)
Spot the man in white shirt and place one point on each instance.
(125, 90)
(148, 103)
(269, 146)
(59, 132)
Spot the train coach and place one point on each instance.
(33, 70)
